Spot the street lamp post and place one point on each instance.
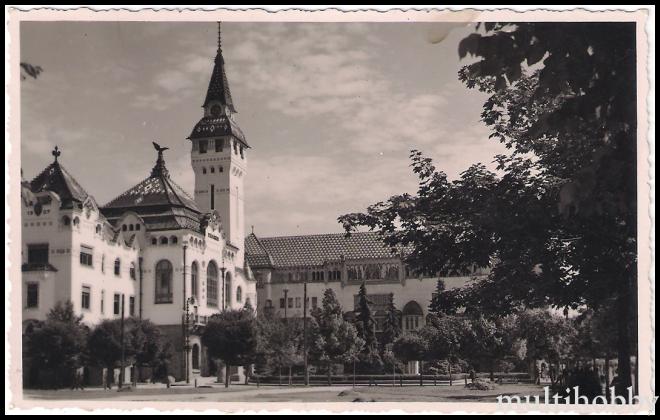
(286, 302)
(305, 333)
(223, 269)
(121, 338)
(189, 301)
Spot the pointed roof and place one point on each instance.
(57, 179)
(219, 85)
(158, 200)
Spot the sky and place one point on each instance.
(330, 110)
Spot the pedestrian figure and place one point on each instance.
(473, 375)
(537, 375)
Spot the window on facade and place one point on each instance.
(102, 301)
(269, 303)
(86, 297)
(298, 302)
(132, 271)
(164, 292)
(212, 284)
(282, 303)
(117, 267)
(195, 356)
(239, 294)
(38, 254)
(228, 290)
(221, 169)
(173, 240)
(131, 306)
(154, 241)
(33, 295)
(124, 228)
(203, 146)
(137, 226)
(163, 240)
(116, 307)
(98, 228)
(131, 227)
(290, 303)
(66, 221)
(212, 169)
(102, 263)
(315, 302)
(194, 285)
(204, 170)
(86, 255)
(218, 145)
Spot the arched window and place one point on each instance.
(163, 240)
(137, 226)
(203, 170)
(212, 284)
(117, 267)
(164, 291)
(154, 241)
(412, 316)
(132, 271)
(66, 221)
(194, 280)
(195, 356)
(212, 169)
(130, 227)
(173, 239)
(124, 228)
(228, 290)
(239, 294)
(221, 169)
(76, 221)
(98, 228)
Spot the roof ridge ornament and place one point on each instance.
(159, 169)
(56, 152)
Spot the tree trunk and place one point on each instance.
(290, 378)
(607, 377)
(227, 375)
(354, 374)
(451, 382)
(623, 340)
(280, 375)
(421, 373)
(329, 373)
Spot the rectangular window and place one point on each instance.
(33, 295)
(298, 302)
(218, 144)
(132, 271)
(86, 297)
(86, 255)
(212, 196)
(117, 304)
(131, 306)
(102, 301)
(290, 302)
(315, 302)
(203, 146)
(38, 254)
(282, 303)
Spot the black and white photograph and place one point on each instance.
(245, 211)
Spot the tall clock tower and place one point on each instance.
(219, 156)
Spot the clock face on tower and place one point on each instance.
(215, 111)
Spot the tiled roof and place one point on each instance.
(219, 85)
(221, 125)
(314, 250)
(162, 204)
(57, 179)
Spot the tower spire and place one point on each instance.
(218, 90)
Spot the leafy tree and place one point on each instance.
(232, 337)
(577, 115)
(280, 343)
(152, 348)
(331, 337)
(105, 347)
(445, 301)
(369, 357)
(547, 337)
(411, 347)
(447, 337)
(58, 344)
(391, 324)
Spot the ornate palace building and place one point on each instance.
(170, 257)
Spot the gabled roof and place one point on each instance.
(314, 250)
(57, 179)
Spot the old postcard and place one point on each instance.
(329, 211)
